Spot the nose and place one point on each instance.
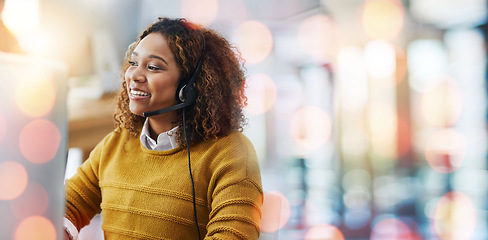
(135, 73)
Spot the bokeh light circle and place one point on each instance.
(392, 228)
(380, 59)
(427, 61)
(21, 17)
(35, 95)
(443, 105)
(383, 19)
(383, 128)
(455, 217)
(39, 141)
(254, 41)
(324, 232)
(202, 12)
(35, 228)
(13, 180)
(445, 150)
(261, 94)
(276, 212)
(310, 127)
(315, 36)
(33, 201)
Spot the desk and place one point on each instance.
(90, 120)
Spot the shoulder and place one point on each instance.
(235, 137)
(233, 154)
(235, 143)
(116, 136)
(231, 161)
(117, 139)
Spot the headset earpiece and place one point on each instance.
(181, 94)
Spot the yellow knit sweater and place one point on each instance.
(147, 194)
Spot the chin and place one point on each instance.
(138, 112)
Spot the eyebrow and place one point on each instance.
(152, 56)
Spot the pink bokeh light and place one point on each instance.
(324, 232)
(276, 211)
(13, 180)
(35, 228)
(39, 141)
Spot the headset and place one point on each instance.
(186, 95)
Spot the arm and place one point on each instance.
(235, 193)
(83, 195)
(236, 212)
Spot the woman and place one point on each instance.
(176, 174)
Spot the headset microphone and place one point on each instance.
(191, 96)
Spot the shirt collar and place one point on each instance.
(165, 141)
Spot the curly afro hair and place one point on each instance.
(220, 83)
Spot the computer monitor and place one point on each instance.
(33, 147)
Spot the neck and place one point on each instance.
(161, 123)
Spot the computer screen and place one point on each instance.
(33, 147)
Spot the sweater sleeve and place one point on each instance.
(236, 195)
(83, 195)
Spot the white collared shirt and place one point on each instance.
(165, 141)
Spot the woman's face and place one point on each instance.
(152, 76)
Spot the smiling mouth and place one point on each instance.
(139, 94)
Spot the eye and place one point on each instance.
(132, 63)
(151, 67)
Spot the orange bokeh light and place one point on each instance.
(401, 64)
(455, 217)
(34, 201)
(254, 41)
(261, 94)
(202, 12)
(39, 141)
(13, 180)
(392, 228)
(404, 139)
(383, 129)
(443, 105)
(310, 127)
(445, 150)
(324, 232)
(315, 36)
(383, 19)
(35, 95)
(35, 228)
(276, 212)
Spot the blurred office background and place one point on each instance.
(369, 117)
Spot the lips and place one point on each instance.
(138, 94)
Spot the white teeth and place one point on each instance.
(138, 93)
